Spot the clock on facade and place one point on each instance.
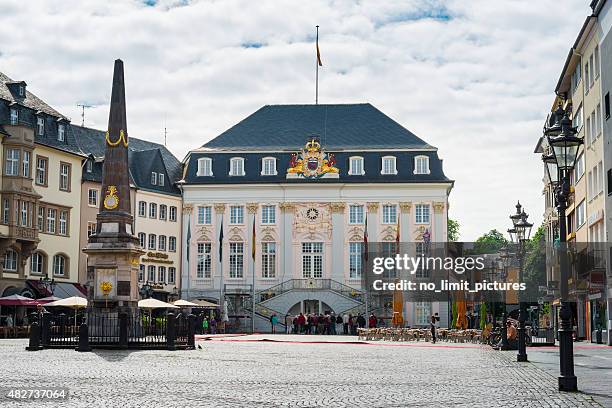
(312, 214)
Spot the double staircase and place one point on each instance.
(336, 295)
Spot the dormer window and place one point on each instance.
(388, 165)
(160, 180)
(61, 132)
(40, 126)
(154, 178)
(236, 166)
(356, 166)
(14, 116)
(268, 166)
(89, 166)
(21, 90)
(421, 165)
(205, 167)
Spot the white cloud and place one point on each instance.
(474, 78)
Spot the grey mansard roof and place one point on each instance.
(338, 127)
(344, 130)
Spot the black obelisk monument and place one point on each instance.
(113, 252)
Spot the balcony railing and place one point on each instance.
(309, 284)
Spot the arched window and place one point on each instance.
(236, 166)
(10, 260)
(59, 265)
(205, 167)
(388, 165)
(37, 263)
(421, 165)
(268, 166)
(356, 166)
(142, 238)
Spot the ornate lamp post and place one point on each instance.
(49, 284)
(519, 235)
(145, 291)
(565, 145)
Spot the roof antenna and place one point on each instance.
(165, 132)
(83, 106)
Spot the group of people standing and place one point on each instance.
(327, 323)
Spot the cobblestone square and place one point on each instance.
(288, 371)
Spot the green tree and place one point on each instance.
(453, 230)
(489, 243)
(534, 266)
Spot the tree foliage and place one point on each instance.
(489, 243)
(453, 230)
(534, 267)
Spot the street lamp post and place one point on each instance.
(49, 284)
(520, 234)
(561, 137)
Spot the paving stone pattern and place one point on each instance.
(273, 374)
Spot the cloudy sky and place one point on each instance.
(473, 78)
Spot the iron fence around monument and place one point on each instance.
(112, 330)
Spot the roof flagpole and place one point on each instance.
(318, 64)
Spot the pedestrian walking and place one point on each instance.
(433, 328)
(345, 324)
(273, 322)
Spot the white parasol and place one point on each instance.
(75, 302)
(184, 303)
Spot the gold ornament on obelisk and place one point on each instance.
(111, 201)
(122, 139)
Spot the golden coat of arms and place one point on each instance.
(312, 162)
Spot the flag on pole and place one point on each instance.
(397, 235)
(365, 240)
(253, 240)
(318, 51)
(221, 241)
(188, 237)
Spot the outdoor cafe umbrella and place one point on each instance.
(75, 302)
(48, 299)
(184, 303)
(155, 304)
(205, 304)
(17, 300)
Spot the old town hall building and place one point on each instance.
(302, 180)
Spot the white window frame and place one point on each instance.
(38, 259)
(173, 213)
(355, 260)
(353, 160)
(268, 166)
(268, 214)
(161, 274)
(236, 166)
(92, 199)
(152, 210)
(64, 184)
(236, 215)
(152, 242)
(163, 212)
(389, 216)
(313, 260)
(204, 260)
(10, 260)
(40, 126)
(63, 222)
(61, 132)
(171, 275)
(204, 167)
(419, 167)
(172, 244)
(12, 162)
(422, 214)
(25, 163)
(142, 239)
(153, 178)
(142, 208)
(356, 214)
(51, 216)
(59, 265)
(268, 260)
(236, 260)
(151, 273)
(161, 243)
(141, 273)
(161, 180)
(580, 214)
(204, 215)
(391, 171)
(14, 116)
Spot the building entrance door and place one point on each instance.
(311, 306)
